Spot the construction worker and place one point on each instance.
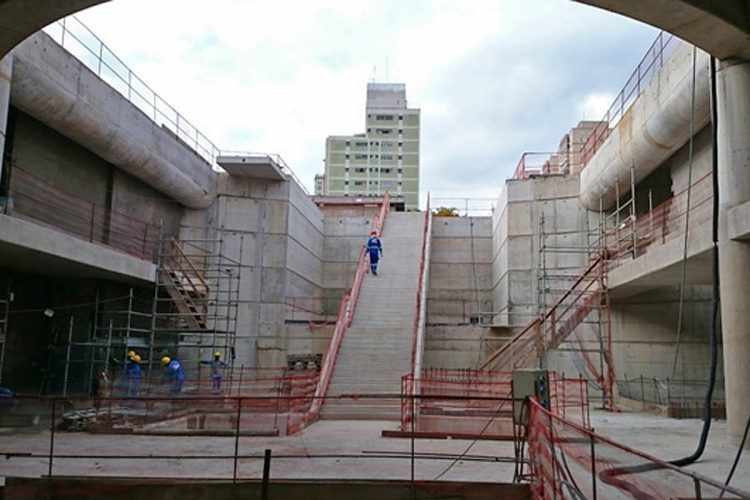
(173, 371)
(375, 249)
(133, 374)
(217, 367)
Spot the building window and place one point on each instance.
(384, 117)
(346, 169)
(347, 156)
(400, 183)
(400, 144)
(360, 157)
(359, 183)
(400, 117)
(369, 130)
(400, 170)
(400, 131)
(348, 143)
(346, 183)
(400, 157)
(384, 131)
(387, 157)
(361, 144)
(387, 170)
(360, 170)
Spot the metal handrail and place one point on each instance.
(421, 306)
(109, 67)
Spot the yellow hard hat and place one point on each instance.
(131, 354)
(217, 354)
(165, 360)
(136, 359)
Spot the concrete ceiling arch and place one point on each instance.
(721, 28)
(19, 19)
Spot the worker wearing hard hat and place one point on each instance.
(133, 374)
(175, 373)
(217, 369)
(375, 249)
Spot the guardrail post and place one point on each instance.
(237, 438)
(593, 466)
(266, 474)
(52, 436)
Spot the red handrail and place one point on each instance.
(347, 308)
(420, 281)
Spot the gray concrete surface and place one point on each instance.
(669, 439)
(377, 349)
(34, 247)
(56, 88)
(720, 28)
(6, 73)
(324, 437)
(734, 256)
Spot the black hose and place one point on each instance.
(736, 459)
(681, 462)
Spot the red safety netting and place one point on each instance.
(567, 460)
(479, 402)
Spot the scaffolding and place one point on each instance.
(4, 312)
(189, 313)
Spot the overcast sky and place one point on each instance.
(493, 78)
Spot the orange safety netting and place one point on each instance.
(567, 460)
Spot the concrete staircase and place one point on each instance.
(376, 351)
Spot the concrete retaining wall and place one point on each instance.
(53, 86)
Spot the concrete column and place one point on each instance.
(734, 256)
(6, 71)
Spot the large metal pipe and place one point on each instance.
(652, 130)
(57, 89)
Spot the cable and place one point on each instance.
(715, 302)
(687, 221)
(72, 306)
(736, 459)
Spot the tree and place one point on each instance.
(445, 212)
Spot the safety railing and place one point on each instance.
(73, 35)
(464, 415)
(420, 315)
(557, 324)
(347, 309)
(462, 207)
(539, 163)
(38, 199)
(569, 461)
(272, 157)
(639, 79)
(630, 238)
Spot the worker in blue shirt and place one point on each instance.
(133, 374)
(375, 249)
(217, 367)
(173, 371)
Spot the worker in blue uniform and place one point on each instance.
(217, 371)
(375, 249)
(175, 373)
(133, 374)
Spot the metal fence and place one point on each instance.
(642, 75)
(37, 199)
(570, 461)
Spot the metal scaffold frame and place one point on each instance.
(4, 312)
(156, 324)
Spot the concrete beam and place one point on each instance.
(35, 248)
(6, 73)
(721, 28)
(57, 89)
(661, 265)
(738, 222)
(19, 19)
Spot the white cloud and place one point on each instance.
(492, 78)
(595, 105)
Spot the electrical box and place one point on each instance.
(529, 383)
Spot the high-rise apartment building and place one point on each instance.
(385, 157)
